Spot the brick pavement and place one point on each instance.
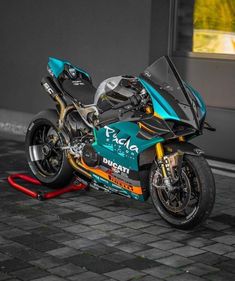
(98, 236)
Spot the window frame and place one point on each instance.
(173, 26)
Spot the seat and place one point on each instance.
(80, 89)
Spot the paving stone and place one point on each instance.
(209, 258)
(105, 214)
(5, 276)
(74, 216)
(200, 269)
(187, 251)
(95, 264)
(184, 277)
(66, 270)
(220, 276)
(19, 251)
(199, 242)
(118, 256)
(148, 278)
(107, 226)
(156, 230)
(79, 243)
(121, 219)
(91, 221)
(131, 247)
(144, 238)
(12, 264)
(226, 239)
(47, 262)
(98, 250)
(13, 232)
(176, 236)
(162, 271)
(29, 273)
(125, 232)
(165, 244)
(147, 217)
(63, 252)
(94, 234)
(219, 248)
(137, 224)
(62, 237)
(175, 261)
(228, 266)
(112, 240)
(87, 208)
(131, 212)
(87, 276)
(124, 274)
(78, 228)
(139, 263)
(230, 255)
(153, 254)
(50, 278)
(4, 257)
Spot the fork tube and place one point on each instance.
(160, 154)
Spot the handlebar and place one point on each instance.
(133, 100)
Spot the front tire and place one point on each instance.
(196, 192)
(46, 159)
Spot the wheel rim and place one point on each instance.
(45, 150)
(184, 201)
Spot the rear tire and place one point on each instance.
(201, 182)
(44, 138)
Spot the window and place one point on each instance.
(205, 26)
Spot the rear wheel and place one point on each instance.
(44, 152)
(192, 199)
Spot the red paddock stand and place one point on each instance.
(39, 194)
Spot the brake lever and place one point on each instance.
(209, 127)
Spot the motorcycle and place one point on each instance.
(130, 136)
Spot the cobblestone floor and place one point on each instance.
(97, 236)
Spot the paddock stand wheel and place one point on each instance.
(75, 185)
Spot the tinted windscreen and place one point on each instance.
(162, 76)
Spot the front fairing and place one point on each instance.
(172, 99)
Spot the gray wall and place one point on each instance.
(105, 37)
(214, 79)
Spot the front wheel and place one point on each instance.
(192, 199)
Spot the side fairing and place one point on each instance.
(119, 143)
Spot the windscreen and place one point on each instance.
(162, 75)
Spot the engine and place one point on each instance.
(81, 140)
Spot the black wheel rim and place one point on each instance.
(184, 201)
(47, 139)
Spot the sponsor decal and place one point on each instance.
(109, 132)
(48, 88)
(121, 183)
(116, 167)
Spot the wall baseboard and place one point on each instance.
(14, 122)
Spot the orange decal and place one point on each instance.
(107, 176)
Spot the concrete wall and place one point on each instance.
(105, 37)
(214, 79)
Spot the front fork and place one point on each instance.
(168, 165)
(160, 155)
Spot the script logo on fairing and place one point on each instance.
(125, 142)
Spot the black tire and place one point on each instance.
(204, 184)
(61, 173)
